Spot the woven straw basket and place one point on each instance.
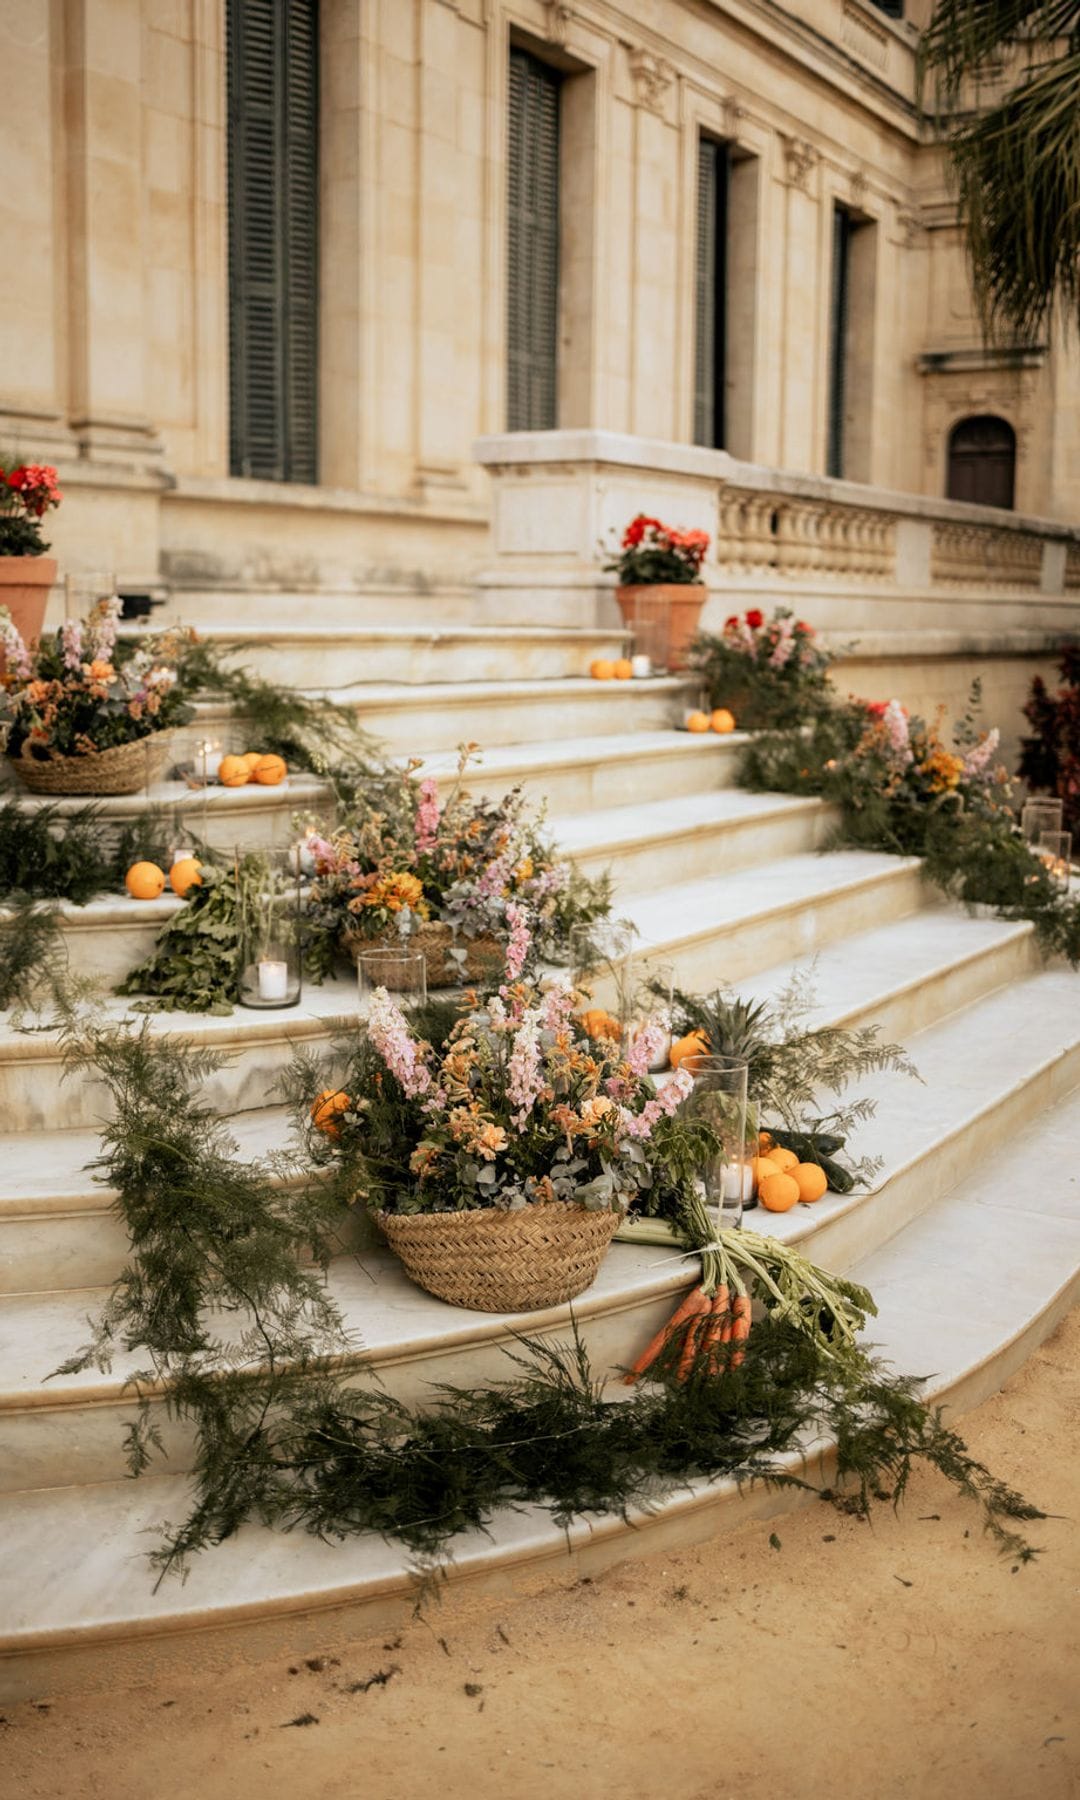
(484, 956)
(492, 1261)
(123, 769)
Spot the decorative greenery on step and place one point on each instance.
(284, 1436)
(195, 964)
(945, 806)
(50, 853)
(310, 731)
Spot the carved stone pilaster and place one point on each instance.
(557, 23)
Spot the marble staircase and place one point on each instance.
(969, 1233)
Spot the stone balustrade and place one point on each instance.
(872, 558)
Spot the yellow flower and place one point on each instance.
(524, 870)
(395, 892)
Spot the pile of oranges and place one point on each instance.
(603, 669)
(145, 881)
(720, 720)
(782, 1180)
(237, 771)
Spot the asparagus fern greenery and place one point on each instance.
(284, 1434)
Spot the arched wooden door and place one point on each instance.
(982, 461)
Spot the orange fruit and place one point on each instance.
(233, 771)
(763, 1167)
(764, 1143)
(697, 721)
(695, 1043)
(810, 1181)
(325, 1109)
(145, 881)
(269, 770)
(602, 670)
(779, 1193)
(722, 720)
(597, 1024)
(624, 669)
(250, 758)
(784, 1159)
(184, 875)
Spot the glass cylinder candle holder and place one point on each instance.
(1040, 815)
(601, 965)
(398, 969)
(718, 1101)
(271, 932)
(1054, 850)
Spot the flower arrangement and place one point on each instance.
(506, 1106)
(768, 672)
(485, 869)
(1050, 756)
(77, 692)
(27, 492)
(652, 553)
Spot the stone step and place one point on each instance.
(56, 1231)
(969, 1106)
(248, 817)
(336, 655)
(441, 715)
(77, 1600)
(255, 608)
(738, 926)
(689, 837)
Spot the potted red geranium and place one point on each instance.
(27, 492)
(661, 591)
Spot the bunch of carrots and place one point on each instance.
(707, 1324)
(713, 1321)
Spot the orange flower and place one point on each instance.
(101, 671)
(37, 691)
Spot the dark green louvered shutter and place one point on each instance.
(532, 313)
(710, 293)
(273, 238)
(838, 339)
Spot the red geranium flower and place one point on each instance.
(755, 619)
(729, 624)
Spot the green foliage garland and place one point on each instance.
(283, 1435)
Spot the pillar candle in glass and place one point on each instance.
(400, 970)
(1054, 850)
(718, 1101)
(1039, 815)
(271, 931)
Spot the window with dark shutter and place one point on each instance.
(838, 339)
(532, 313)
(273, 238)
(710, 293)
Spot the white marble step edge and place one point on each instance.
(80, 1610)
(46, 1431)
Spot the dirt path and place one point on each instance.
(902, 1659)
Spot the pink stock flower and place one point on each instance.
(520, 938)
(16, 654)
(104, 621)
(427, 814)
(557, 1006)
(978, 758)
(895, 721)
(667, 1101)
(525, 1075)
(784, 645)
(645, 1046)
(389, 1032)
(71, 643)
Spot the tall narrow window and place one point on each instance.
(533, 246)
(273, 238)
(838, 339)
(710, 294)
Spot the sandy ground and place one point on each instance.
(901, 1658)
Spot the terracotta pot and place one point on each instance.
(25, 582)
(665, 618)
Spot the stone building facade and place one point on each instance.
(828, 314)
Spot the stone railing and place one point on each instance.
(562, 498)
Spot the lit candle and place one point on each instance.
(641, 666)
(731, 1183)
(301, 856)
(273, 980)
(209, 760)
